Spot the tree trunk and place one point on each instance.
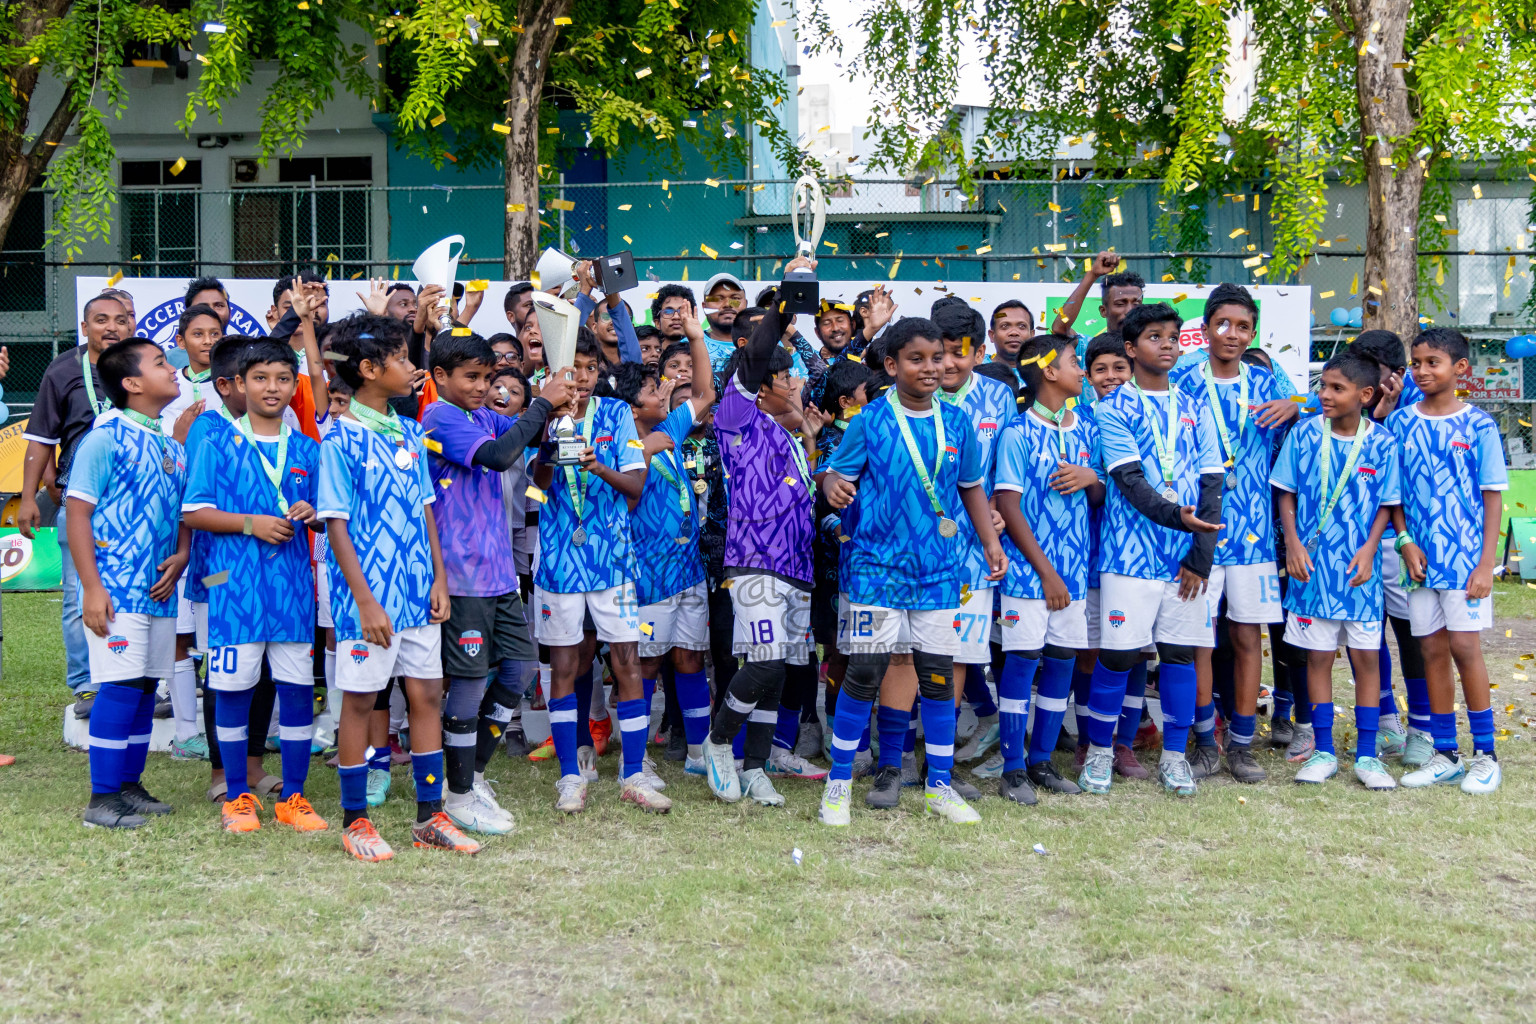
(1389, 287)
(20, 166)
(530, 63)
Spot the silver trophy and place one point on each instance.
(800, 292)
(439, 264)
(559, 323)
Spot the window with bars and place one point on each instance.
(318, 221)
(160, 225)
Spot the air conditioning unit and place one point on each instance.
(1507, 318)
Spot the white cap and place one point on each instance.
(709, 285)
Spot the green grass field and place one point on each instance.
(1267, 903)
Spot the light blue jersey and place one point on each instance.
(382, 491)
(1448, 462)
(895, 556)
(665, 524)
(135, 477)
(1374, 482)
(1129, 543)
(990, 405)
(1028, 454)
(607, 558)
(1246, 512)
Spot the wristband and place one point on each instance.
(250, 526)
(1403, 539)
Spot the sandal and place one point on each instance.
(269, 785)
(217, 792)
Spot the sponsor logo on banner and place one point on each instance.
(159, 324)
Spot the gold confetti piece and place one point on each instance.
(103, 543)
(562, 204)
(711, 182)
(536, 494)
(636, 444)
(664, 184)
(1175, 47)
(562, 21)
(643, 72)
(1168, 277)
(779, 24)
(1235, 232)
(1477, 191)
(118, 276)
(501, 128)
(495, 731)
(439, 119)
(1508, 633)
(217, 579)
(707, 251)
(434, 446)
(479, 284)
(1180, 297)
(445, 481)
(303, 5)
(1048, 358)
(645, 627)
(626, 206)
(1242, 800)
(431, 778)
(1354, 285)
(895, 266)
(179, 166)
(791, 481)
(1325, 295)
(983, 250)
(727, 584)
(462, 332)
(516, 207)
(1115, 217)
(1253, 261)
(1053, 207)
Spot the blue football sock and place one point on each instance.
(1241, 732)
(1481, 724)
(1082, 688)
(1055, 682)
(739, 741)
(377, 761)
(295, 729)
(693, 697)
(1443, 729)
(1367, 724)
(1418, 704)
(848, 726)
(1205, 725)
(138, 738)
(427, 773)
(111, 722)
(354, 784)
(786, 728)
(1013, 708)
(938, 739)
(634, 722)
(1106, 695)
(1322, 726)
(892, 724)
(232, 714)
(1132, 704)
(584, 709)
(649, 685)
(864, 737)
(562, 727)
(976, 693)
(1176, 688)
(909, 741)
(1284, 699)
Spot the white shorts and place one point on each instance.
(323, 596)
(871, 629)
(560, 618)
(238, 666)
(1091, 609)
(1135, 612)
(973, 628)
(136, 645)
(185, 623)
(681, 620)
(1430, 611)
(1391, 567)
(1252, 592)
(199, 625)
(416, 652)
(1028, 625)
(1313, 634)
(773, 620)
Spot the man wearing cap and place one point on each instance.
(834, 328)
(724, 297)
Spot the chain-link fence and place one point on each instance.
(876, 229)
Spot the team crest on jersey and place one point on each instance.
(1116, 617)
(1457, 441)
(1305, 622)
(1011, 617)
(471, 641)
(117, 644)
(1368, 470)
(986, 429)
(359, 653)
(159, 324)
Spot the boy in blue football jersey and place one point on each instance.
(1047, 485)
(1248, 411)
(587, 566)
(129, 547)
(486, 641)
(389, 591)
(1448, 530)
(1160, 449)
(1338, 475)
(903, 572)
(251, 491)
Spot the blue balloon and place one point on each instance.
(1339, 316)
(1521, 346)
(1357, 317)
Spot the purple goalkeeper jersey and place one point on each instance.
(770, 492)
(471, 520)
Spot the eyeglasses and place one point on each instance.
(507, 357)
(669, 311)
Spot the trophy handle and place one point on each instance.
(811, 203)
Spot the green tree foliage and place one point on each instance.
(1403, 96)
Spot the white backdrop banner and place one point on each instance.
(1285, 311)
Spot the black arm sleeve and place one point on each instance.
(1202, 552)
(1144, 498)
(502, 453)
(286, 327)
(766, 334)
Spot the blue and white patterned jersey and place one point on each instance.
(135, 478)
(990, 405)
(1029, 453)
(259, 591)
(1448, 462)
(895, 556)
(1085, 408)
(1129, 543)
(207, 429)
(665, 524)
(385, 509)
(1246, 512)
(1375, 482)
(607, 559)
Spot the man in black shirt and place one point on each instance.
(68, 401)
